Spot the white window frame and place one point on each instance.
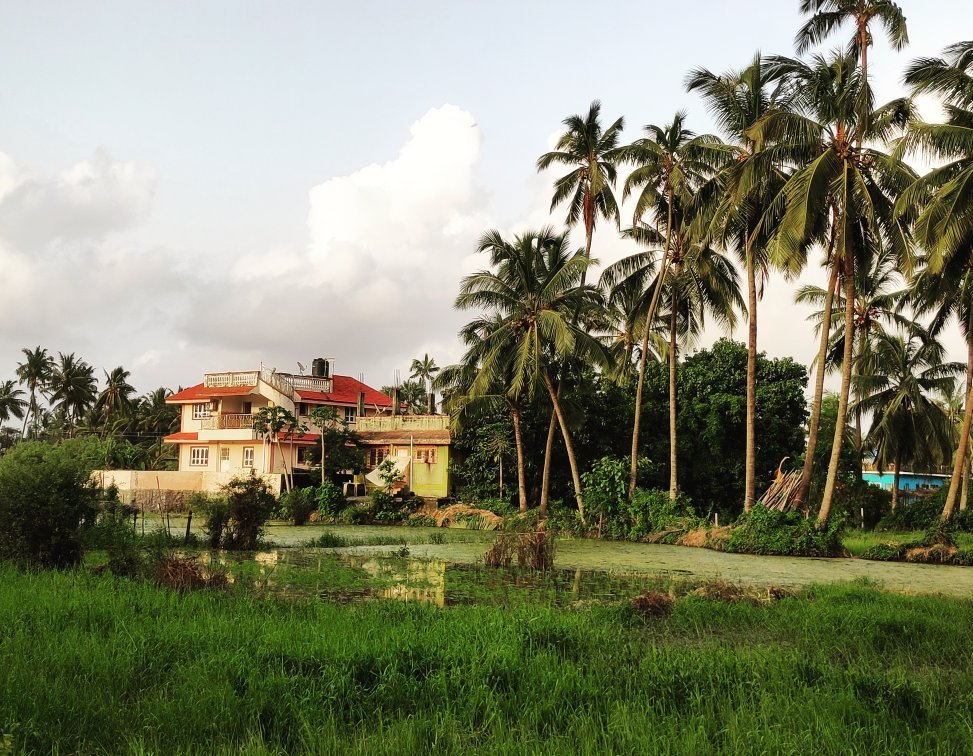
(351, 415)
(248, 456)
(199, 456)
(201, 410)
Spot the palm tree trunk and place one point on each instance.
(965, 495)
(749, 489)
(895, 481)
(575, 477)
(548, 453)
(846, 365)
(673, 413)
(958, 463)
(815, 421)
(518, 442)
(643, 358)
(859, 442)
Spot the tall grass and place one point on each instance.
(95, 664)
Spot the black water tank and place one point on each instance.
(316, 368)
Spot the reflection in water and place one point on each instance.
(409, 579)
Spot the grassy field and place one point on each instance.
(97, 664)
(858, 541)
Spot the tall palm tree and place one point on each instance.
(942, 202)
(73, 388)
(909, 426)
(34, 372)
(670, 163)
(700, 281)
(11, 404)
(828, 15)
(841, 195)
(116, 398)
(535, 292)
(746, 189)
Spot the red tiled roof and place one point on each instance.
(345, 391)
(199, 393)
(181, 437)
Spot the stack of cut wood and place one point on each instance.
(782, 494)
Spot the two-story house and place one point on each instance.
(216, 431)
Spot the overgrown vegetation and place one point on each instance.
(765, 531)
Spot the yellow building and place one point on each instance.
(418, 443)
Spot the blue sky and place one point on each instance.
(186, 186)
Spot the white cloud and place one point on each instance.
(86, 202)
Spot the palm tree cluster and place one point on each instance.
(807, 163)
(60, 398)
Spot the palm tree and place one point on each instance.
(535, 293)
(34, 372)
(670, 163)
(828, 15)
(425, 370)
(73, 387)
(909, 426)
(700, 281)
(878, 303)
(943, 204)
(116, 398)
(11, 405)
(746, 189)
(841, 196)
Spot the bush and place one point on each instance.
(298, 503)
(331, 501)
(236, 521)
(47, 499)
(767, 531)
(875, 502)
(915, 514)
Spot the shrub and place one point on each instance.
(854, 499)
(236, 521)
(915, 514)
(767, 531)
(298, 503)
(327, 540)
(353, 515)
(47, 498)
(331, 501)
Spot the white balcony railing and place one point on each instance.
(403, 423)
(311, 383)
(222, 380)
(227, 421)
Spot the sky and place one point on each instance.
(194, 187)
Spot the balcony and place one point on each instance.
(403, 423)
(227, 421)
(311, 383)
(223, 380)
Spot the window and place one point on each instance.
(376, 456)
(201, 411)
(248, 456)
(303, 409)
(351, 415)
(199, 456)
(425, 454)
(225, 454)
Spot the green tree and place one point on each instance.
(271, 423)
(669, 164)
(116, 398)
(942, 204)
(744, 193)
(534, 291)
(908, 425)
(72, 387)
(35, 373)
(11, 404)
(841, 195)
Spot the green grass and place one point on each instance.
(95, 664)
(859, 541)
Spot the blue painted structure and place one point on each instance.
(908, 481)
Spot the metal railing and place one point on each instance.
(403, 422)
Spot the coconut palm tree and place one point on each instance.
(35, 373)
(73, 388)
(670, 163)
(942, 204)
(116, 398)
(909, 426)
(425, 370)
(11, 404)
(841, 196)
(828, 15)
(745, 191)
(535, 292)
